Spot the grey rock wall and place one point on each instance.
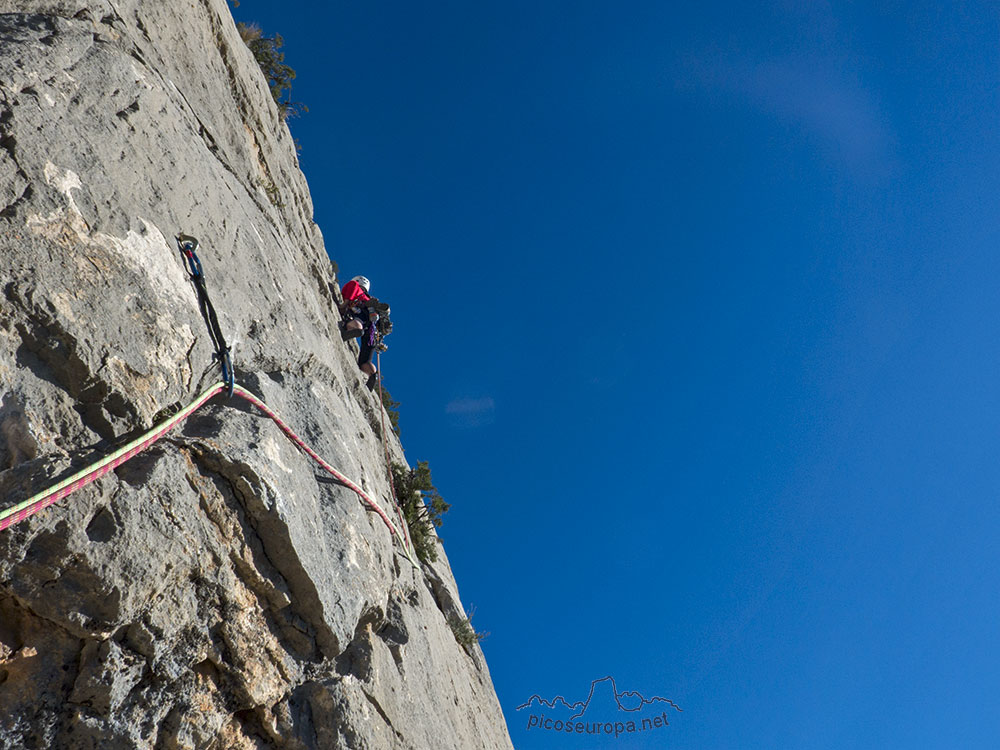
(216, 591)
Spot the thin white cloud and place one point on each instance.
(471, 412)
(840, 111)
(823, 100)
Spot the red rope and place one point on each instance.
(98, 470)
(290, 434)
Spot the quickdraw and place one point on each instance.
(188, 246)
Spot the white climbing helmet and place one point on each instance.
(363, 282)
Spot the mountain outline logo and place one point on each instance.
(581, 706)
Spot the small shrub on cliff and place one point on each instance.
(422, 507)
(464, 632)
(273, 194)
(272, 63)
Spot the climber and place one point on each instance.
(367, 318)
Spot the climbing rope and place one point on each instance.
(188, 246)
(404, 540)
(388, 462)
(41, 500)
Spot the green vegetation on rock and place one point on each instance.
(266, 51)
(423, 507)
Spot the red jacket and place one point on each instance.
(354, 294)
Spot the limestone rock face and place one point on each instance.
(216, 591)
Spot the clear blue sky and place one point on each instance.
(696, 324)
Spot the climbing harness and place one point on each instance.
(42, 500)
(188, 246)
(373, 335)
